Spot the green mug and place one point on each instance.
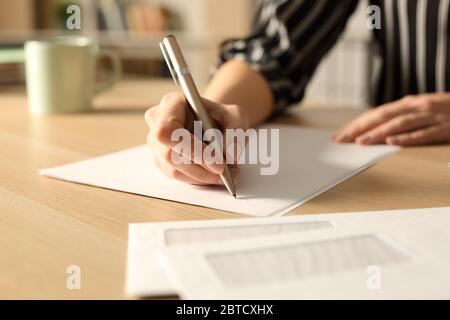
(60, 74)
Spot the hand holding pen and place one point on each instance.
(174, 112)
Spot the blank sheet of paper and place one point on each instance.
(309, 164)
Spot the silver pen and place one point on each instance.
(182, 76)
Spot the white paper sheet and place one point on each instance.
(310, 163)
(146, 277)
(407, 257)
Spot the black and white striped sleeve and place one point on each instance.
(288, 40)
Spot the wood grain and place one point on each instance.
(47, 225)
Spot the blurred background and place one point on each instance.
(134, 27)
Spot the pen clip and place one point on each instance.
(169, 63)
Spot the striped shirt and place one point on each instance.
(290, 37)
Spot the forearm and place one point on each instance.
(236, 83)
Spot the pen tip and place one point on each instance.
(234, 195)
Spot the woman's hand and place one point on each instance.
(413, 120)
(173, 113)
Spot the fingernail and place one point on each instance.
(366, 138)
(392, 140)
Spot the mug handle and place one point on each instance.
(116, 70)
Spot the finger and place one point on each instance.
(215, 111)
(433, 134)
(370, 120)
(214, 139)
(194, 171)
(400, 124)
(197, 173)
(197, 152)
(149, 114)
(188, 147)
(169, 116)
(175, 174)
(228, 117)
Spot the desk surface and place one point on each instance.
(47, 225)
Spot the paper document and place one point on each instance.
(146, 276)
(296, 260)
(309, 164)
(403, 258)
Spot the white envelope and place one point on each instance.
(405, 258)
(146, 277)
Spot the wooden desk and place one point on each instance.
(47, 225)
